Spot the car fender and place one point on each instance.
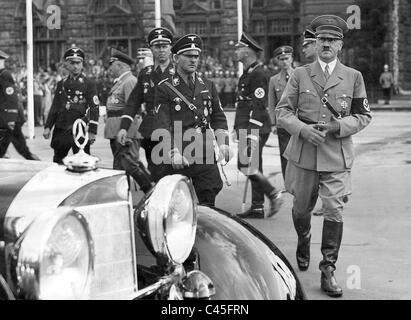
(242, 263)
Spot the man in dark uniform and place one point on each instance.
(75, 98)
(124, 83)
(284, 56)
(159, 40)
(189, 112)
(332, 105)
(252, 122)
(11, 114)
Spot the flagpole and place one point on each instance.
(157, 15)
(30, 95)
(240, 30)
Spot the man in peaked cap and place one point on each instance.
(308, 45)
(252, 126)
(188, 105)
(276, 86)
(332, 106)
(75, 98)
(124, 82)
(141, 100)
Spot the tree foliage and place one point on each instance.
(370, 54)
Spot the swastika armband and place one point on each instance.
(360, 106)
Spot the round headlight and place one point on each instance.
(170, 218)
(55, 259)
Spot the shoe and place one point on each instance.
(275, 203)
(329, 283)
(252, 213)
(319, 212)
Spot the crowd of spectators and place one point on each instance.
(224, 75)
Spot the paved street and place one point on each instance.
(375, 257)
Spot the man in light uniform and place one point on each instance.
(124, 82)
(323, 105)
(276, 86)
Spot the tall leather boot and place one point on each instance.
(140, 174)
(268, 189)
(330, 246)
(256, 211)
(303, 226)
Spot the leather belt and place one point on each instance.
(307, 121)
(114, 113)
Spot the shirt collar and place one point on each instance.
(121, 76)
(331, 64)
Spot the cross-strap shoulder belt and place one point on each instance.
(324, 99)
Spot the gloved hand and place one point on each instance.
(122, 136)
(225, 154)
(313, 135)
(331, 127)
(178, 161)
(91, 137)
(11, 125)
(46, 133)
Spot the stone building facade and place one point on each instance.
(97, 24)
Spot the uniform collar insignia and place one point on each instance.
(149, 69)
(176, 81)
(200, 80)
(172, 71)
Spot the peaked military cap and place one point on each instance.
(117, 55)
(74, 53)
(329, 26)
(309, 36)
(248, 41)
(283, 51)
(188, 42)
(3, 55)
(159, 35)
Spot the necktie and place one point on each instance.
(158, 70)
(191, 84)
(326, 72)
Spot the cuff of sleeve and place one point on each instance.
(92, 127)
(256, 122)
(126, 122)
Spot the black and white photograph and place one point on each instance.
(217, 151)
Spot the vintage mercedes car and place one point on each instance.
(83, 232)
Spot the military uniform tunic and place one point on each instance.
(116, 102)
(8, 109)
(175, 116)
(75, 98)
(143, 95)
(332, 160)
(8, 99)
(252, 100)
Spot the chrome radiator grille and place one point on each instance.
(111, 227)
